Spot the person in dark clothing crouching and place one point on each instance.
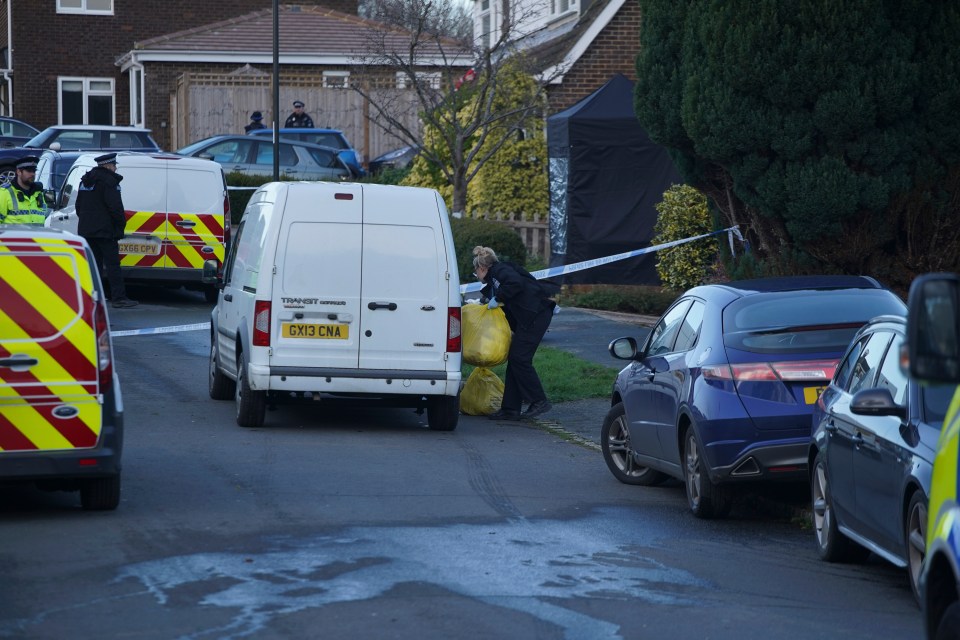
(101, 222)
(529, 309)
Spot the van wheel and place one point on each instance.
(251, 405)
(220, 386)
(7, 174)
(100, 494)
(210, 294)
(443, 412)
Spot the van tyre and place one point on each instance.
(211, 294)
(706, 499)
(251, 405)
(100, 494)
(618, 453)
(443, 412)
(220, 386)
(916, 535)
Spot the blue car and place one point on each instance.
(332, 138)
(722, 391)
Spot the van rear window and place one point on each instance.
(804, 321)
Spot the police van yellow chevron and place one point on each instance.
(60, 411)
(178, 216)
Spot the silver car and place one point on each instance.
(254, 156)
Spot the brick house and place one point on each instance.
(580, 44)
(59, 57)
(120, 62)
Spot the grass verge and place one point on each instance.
(565, 377)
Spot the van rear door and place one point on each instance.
(315, 320)
(143, 190)
(195, 216)
(49, 388)
(403, 309)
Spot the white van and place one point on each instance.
(339, 288)
(178, 215)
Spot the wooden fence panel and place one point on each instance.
(535, 233)
(211, 104)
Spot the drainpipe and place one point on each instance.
(6, 72)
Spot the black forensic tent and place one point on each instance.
(606, 176)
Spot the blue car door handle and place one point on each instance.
(857, 439)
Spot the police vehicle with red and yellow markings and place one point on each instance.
(933, 340)
(61, 412)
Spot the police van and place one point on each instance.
(61, 413)
(341, 289)
(178, 215)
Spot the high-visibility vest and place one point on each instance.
(16, 207)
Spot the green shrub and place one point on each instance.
(651, 301)
(683, 213)
(240, 198)
(470, 232)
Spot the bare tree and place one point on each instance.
(458, 89)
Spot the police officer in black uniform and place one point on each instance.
(255, 122)
(102, 220)
(299, 118)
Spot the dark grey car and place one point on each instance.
(871, 455)
(253, 155)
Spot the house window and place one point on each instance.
(136, 96)
(336, 79)
(432, 80)
(562, 6)
(102, 7)
(486, 24)
(86, 100)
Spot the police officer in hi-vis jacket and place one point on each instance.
(21, 200)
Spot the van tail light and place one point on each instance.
(453, 330)
(104, 355)
(261, 323)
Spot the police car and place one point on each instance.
(933, 338)
(61, 412)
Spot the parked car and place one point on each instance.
(871, 455)
(332, 138)
(13, 132)
(722, 391)
(80, 137)
(253, 155)
(397, 159)
(60, 401)
(933, 339)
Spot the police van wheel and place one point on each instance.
(221, 387)
(443, 412)
(251, 405)
(210, 294)
(7, 174)
(100, 494)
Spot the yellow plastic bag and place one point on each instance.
(486, 335)
(482, 393)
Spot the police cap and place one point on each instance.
(297, 103)
(107, 158)
(28, 162)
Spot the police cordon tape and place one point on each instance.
(200, 326)
(476, 286)
(731, 232)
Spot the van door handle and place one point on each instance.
(373, 306)
(189, 224)
(228, 297)
(18, 361)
